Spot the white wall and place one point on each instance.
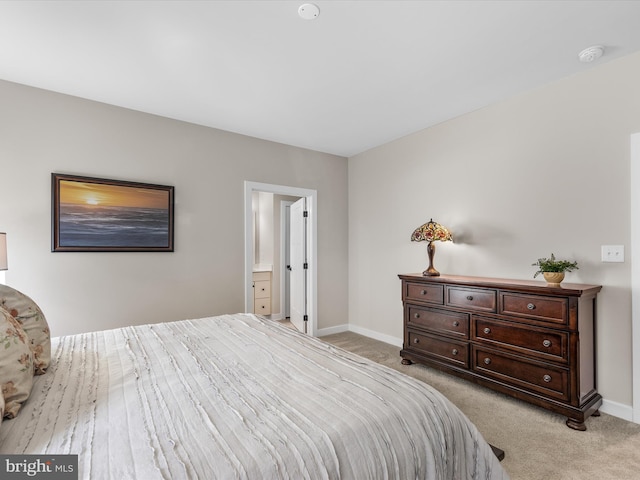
(43, 132)
(544, 172)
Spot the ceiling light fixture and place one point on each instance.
(590, 54)
(308, 11)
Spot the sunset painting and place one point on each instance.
(109, 215)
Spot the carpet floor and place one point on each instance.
(537, 443)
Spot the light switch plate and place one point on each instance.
(613, 253)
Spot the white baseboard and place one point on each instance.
(323, 332)
(396, 342)
(616, 409)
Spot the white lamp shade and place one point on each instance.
(3, 252)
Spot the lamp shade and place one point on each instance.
(430, 232)
(4, 265)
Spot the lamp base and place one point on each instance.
(431, 272)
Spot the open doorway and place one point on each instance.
(274, 267)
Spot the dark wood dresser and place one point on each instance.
(522, 338)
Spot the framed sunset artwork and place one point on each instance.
(100, 215)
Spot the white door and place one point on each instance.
(285, 288)
(298, 263)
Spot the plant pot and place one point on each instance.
(553, 278)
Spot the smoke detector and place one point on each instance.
(590, 54)
(308, 11)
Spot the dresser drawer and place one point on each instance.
(535, 341)
(471, 298)
(262, 289)
(262, 306)
(441, 349)
(424, 293)
(534, 376)
(547, 309)
(438, 321)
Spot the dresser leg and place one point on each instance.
(576, 425)
(498, 452)
(406, 361)
(596, 413)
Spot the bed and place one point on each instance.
(238, 397)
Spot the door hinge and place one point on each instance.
(305, 318)
(305, 266)
(305, 214)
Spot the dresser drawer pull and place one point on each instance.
(487, 361)
(416, 340)
(469, 297)
(454, 351)
(423, 292)
(531, 306)
(456, 323)
(416, 315)
(487, 330)
(547, 378)
(546, 343)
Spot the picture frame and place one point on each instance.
(102, 215)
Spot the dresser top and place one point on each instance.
(531, 286)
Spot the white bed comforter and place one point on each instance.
(237, 396)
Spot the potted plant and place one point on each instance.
(553, 270)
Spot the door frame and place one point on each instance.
(312, 239)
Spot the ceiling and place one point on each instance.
(361, 74)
